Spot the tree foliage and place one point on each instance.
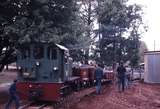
(87, 13)
(120, 31)
(143, 48)
(71, 23)
(39, 20)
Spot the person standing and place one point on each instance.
(121, 70)
(98, 77)
(13, 96)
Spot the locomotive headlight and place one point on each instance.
(37, 64)
(55, 68)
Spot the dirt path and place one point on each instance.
(139, 96)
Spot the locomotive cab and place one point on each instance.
(43, 70)
(43, 63)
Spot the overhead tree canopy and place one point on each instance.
(71, 23)
(39, 20)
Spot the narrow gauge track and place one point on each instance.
(65, 102)
(33, 105)
(25, 106)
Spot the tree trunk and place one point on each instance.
(7, 67)
(1, 67)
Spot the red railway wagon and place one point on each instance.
(86, 74)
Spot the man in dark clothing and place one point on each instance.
(13, 96)
(121, 70)
(98, 77)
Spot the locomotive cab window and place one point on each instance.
(38, 52)
(51, 53)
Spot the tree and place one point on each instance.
(70, 23)
(87, 13)
(143, 48)
(8, 11)
(117, 19)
